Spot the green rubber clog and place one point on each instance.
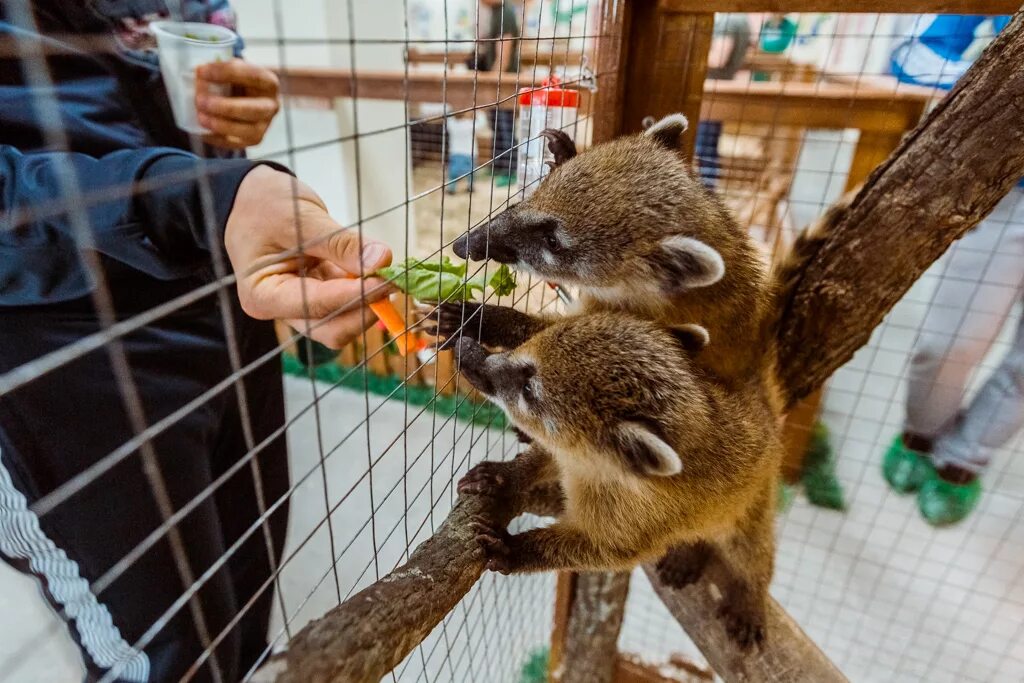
(943, 503)
(906, 470)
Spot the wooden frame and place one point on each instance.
(852, 7)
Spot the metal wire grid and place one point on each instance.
(488, 633)
(887, 597)
(466, 638)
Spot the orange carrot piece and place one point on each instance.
(395, 324)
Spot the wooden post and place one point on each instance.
(667, 60)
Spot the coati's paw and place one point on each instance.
(521, 436)
(683, 566)
(744, 625)
(493, 540)
(486, 479)
(560, 145)
(450, 321)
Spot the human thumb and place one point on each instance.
(342, 247)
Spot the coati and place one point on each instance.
(631, 228)
(649, 453)
(628, 225)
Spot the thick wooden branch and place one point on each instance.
(944, 178)
(786, 655)
(372, 632)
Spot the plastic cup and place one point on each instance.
(182, 46)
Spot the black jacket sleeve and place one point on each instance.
(140, 207)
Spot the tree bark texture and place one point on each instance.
(369, 634)
(787, 655)
(944, 178)
(592, 635)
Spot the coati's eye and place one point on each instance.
(552, 242)
(528, 392)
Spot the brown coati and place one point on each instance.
(649, 453)
(630, 227)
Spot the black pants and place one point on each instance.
(505, 151)
(61, 423)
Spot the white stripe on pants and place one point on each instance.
(981, 280)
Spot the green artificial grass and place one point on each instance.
(819, 476)
(358, 379)
(535, 669)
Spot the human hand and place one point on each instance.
(316, 288)
(241, 119)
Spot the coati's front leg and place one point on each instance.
(749, 556)
(493, 326)
(529, 482)
(559, 546)
(684, 564)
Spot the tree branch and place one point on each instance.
(369, 634)
(786, 655)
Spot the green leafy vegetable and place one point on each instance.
(445, 281)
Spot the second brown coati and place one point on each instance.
(648, 453)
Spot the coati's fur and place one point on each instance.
(648, 450)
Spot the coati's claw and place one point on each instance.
(560, 144)
(454, 320)
(484, 479)
(494, 542)
(744, 626)
(681, 567)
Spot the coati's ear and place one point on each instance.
(686, 263)
(691, 336)
(646, 452)
(668, 130)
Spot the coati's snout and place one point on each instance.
(495, 240)
(493, 374)
(518, 236)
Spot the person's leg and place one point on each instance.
(708, 134)
(237, 502)
(979, 283)
(991, 419)
(504, 143)
(59, 425)
(453, 173)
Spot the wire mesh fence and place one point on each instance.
(185, 517)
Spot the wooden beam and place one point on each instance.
(565, 586)
(870, 108)
(528, 55)
(612, 53)
(851, 6)
(462, 90)
(786, 655)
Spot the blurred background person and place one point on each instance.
(945, 447)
